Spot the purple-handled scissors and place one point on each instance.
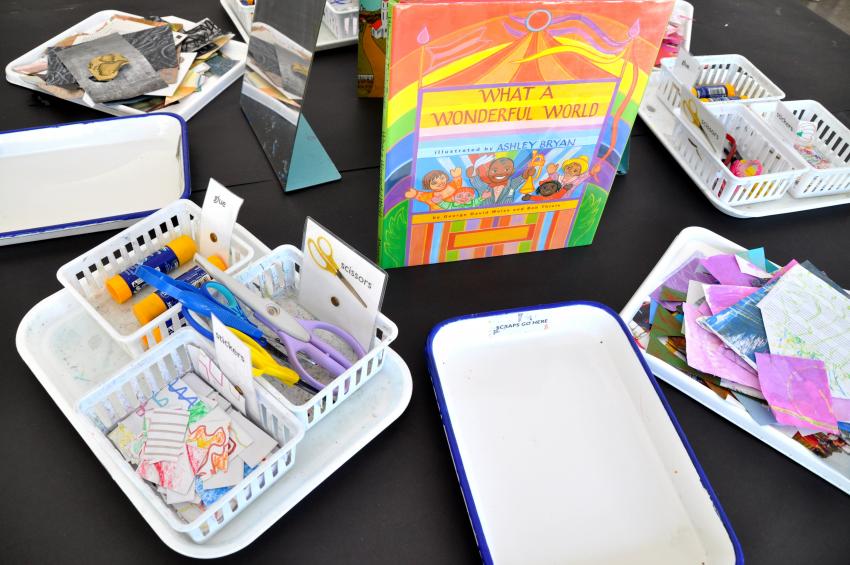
(295, 334)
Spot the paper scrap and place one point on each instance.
(208, 444)
(740, 326)
(129, 437)
(721, 296)
(166, 431)
(227, 478)
(261, 444)
(725, 269)
(696, 293)
(186, 60)
(135, 78)
(759, 411)
(199, 35)
(805, 317)
(681, 277)
(705, 352)
(797, 391)
(172, 475)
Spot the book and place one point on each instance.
(504, 122)
(371, 48)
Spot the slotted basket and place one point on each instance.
(131, 387)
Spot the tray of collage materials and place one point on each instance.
(813, 188)
(72, 356)
(185, 108)
(835, 469)
(339, 24)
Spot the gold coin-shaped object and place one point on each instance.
(106, 67)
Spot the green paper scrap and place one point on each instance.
(672, 295)
(665, 324)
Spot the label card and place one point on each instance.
(219, 216)
(686, 68)
(785, 121)
(234, 358)
(339, 285)
(712, 128)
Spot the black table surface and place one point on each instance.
(398, 500)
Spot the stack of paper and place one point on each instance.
(777, 340)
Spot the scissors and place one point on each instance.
(324, 258)
(200, 301)
(263, 363)
(297, 336)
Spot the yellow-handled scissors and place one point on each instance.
(262, 363)
(322, 253)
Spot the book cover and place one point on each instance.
(505, 121)
(371, 48)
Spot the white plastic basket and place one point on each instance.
(341, 17)
(107, 405)
(832, 141)
(720, 69)
(278, 276)
(86, 275)
(755, 140)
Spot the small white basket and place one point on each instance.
(720, 69)
(111, 402)
(277, 275)
(85, 277)
(755, 140)
(341, 18)
(832, 141)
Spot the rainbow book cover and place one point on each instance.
(504, 122)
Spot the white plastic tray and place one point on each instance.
(70, 355)
(661, 122)
(834, 469)
(77, 169)
(517, 391)
(186, 108)
(326, 40)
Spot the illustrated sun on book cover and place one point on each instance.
(504, 122)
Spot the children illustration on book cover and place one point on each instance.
(505, 122)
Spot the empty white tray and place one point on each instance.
(186, 108)
(70, 355)
(564, 445)
(90, 176)
(834, 469)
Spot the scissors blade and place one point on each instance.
(267, 310)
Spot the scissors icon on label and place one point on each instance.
(322, 253)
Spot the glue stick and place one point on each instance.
(714, 90)
(127, 283)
